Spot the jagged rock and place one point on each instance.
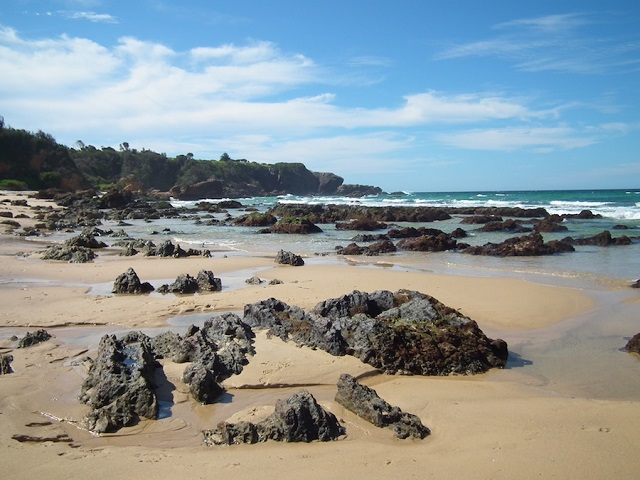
(481, 219)
(289, 258)
(5, 364)
(405, 331)
(365, 402)
(84, 240)
(256, 219)
(368, 237)
(636, 284)
(275, 281)
(298, 418)
(529, 245)
(633, 345)
(550, 224)
(69, 254)
(362, 224)
(377, 248)
(299, 226)
(34, 338)
(184, 283)
(129, 282)
(119, 387)
(602, 239)
(208, 282)
(509, 225)
(253, 280)
(428, 243)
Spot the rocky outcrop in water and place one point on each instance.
(298, 226)
(378, 248)
(405, 331)
(429, 243)
(298, 418)
(34, 338)
(529, 245)
(365, 402)
(129, 282)
(289, 258)
(603, 239)
(119, 388)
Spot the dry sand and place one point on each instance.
(496, 425)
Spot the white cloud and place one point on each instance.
(540, 139)
(92, 17)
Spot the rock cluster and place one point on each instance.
(298, 418)
(129, 282)
(528, 245)
(185, 283)
(365, 402)
(405, 331)
(633, 345)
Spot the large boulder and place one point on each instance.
(365, 402)
(289, 258)
(428, 243)
(403, 331)
(129, 282)
(298, 418)
(208, 282)
(119, 386)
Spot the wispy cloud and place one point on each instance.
(561, 43)
(92, 17)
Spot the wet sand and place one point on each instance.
(566, 406)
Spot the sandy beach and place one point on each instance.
(501, 425)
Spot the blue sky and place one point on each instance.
(412, 95)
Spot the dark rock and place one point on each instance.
(480, 219)
(118, 199)
(299, 226)
(298, 418)
(5, 364)
(636, 284)
(253, 280)
(69, 254)
(119, 387)
(365, 402)
(367, 237)
(509, 225)
(428, 243)
(256, 220)
(232, 204)
(633, 345)
(603, 239)
(34, 338)
(275, 281)
(404, 331)
(583, 215)
(378, 248)
(208, 282)
(289, 258)
(348, 190)
(129, 282)
(529, 245)
(620, 227)
(328, 182)
(361, 224)
(184, 283)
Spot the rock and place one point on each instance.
(509, 225)
(365, 402)
(34, 338)
(347, 190)
(298, 226)
(118, 199)
(119, 386)
(405, 331)
(428, 243)
(362, 224)
(69, 254)
(253, 280)
(208, 282)
(298, 418)
(275, 281)
(550, 224)
(602, 239)
(129, 282)
(184, 283)
(529, 245)
(480, 219)
(83, 240)
(375, 249)
(636, 284)
(633, 345)
(256, 220)
(289, 258)
(5, 364)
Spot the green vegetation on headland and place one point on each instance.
(36, 161)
